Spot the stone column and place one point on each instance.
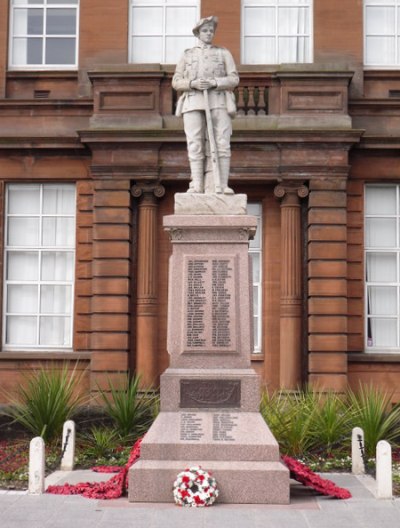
(291, 283)
(147, 266)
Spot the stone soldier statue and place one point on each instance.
(207, 75)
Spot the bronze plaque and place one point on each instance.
(210, 393)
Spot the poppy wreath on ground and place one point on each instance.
(111, 489)
(195, 487)
(303, 474)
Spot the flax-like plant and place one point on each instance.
(330, 427)
(46, 399)
(290, 418)
(131, 408)
(375, 415)
(100, 441)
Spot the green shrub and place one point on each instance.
(290, 416)
(372, 411)
(100, 441)
(131, 409)
(330, 425)
(45, 400)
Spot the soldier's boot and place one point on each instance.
(197, 177)
(224, 168)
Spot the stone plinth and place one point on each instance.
(210, 394)
(210, 204)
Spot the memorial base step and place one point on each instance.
(238, 482)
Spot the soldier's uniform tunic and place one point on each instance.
(206, 62)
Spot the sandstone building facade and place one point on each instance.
(91, 155)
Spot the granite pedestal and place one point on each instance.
(210, 394)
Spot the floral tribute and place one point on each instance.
(111, 489)
(307, 477)
(194, 487)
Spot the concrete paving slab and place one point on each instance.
(306, 510)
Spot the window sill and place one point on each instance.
(44, 355)
(371, 357)
(257, 357)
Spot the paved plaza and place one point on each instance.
(307, 510)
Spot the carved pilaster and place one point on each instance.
(291, 280)
(147, 292)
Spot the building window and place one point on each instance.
(161, 30)
(382, 267)
(381, 33)
(255, 250)
(276, 31)
(43, 34)
(39, 266)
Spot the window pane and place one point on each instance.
(380, 50)
(256, 266)
(22, 298)
(255, 300)
(27, 51)
(61, 22)
(58, 231)
(55, 331)
(60, 51)
(28, 22)
(293, 49)
(57, 266)
(55, 299)
(22, 265)
(23, 232)
(147, 49)
(180, 20)
(382, 300)
(380, 20)
(23, 199)
(59, 199)
(383, 333)
(147, 21)
(175, 46)
(381, 232)
(20, 330)
(255, 334)
(380, 200)
(259, 21)
(259, 50)
(62, 1)
(293, 21)
(381, 267)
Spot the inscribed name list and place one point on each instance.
(210, 303)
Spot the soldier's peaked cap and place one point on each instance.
(201, 22)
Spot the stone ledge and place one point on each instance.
(210, 204)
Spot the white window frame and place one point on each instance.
(255, 209)
(276, 4)
(396, 35)
(40, 248)
(370, 348)
(164, 4)
(43, 4)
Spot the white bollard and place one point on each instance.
(36, 466)
(68, 446)
(384, 470)
(357, 445)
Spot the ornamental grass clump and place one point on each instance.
(46, 399)
(131, 408)
(373, 412)
(290, 418)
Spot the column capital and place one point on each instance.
(291, 189)
(146, 188)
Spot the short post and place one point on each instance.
(68, 446)
(384, 470)
(357, 451)
(36, 466)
